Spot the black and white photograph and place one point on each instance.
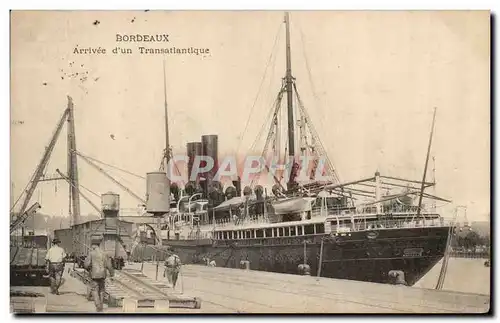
(250, 162)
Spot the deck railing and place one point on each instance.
(194, 235)
(332, 226)
(337, 210)
(356, 223)
(261, 219)
(470, 255)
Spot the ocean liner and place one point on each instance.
(360, 230)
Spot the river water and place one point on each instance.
(463, 275)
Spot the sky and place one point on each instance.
(369, 80)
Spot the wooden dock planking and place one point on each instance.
(304, 302)
(265, 292)
(225, 290)
(71, 299)
(133, 287)
(254, 297)
(395, 297)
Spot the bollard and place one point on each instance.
(304, 269)
(245, 264)
(398, 277)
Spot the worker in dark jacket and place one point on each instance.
(97, 262)
(172, 267)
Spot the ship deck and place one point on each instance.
(225, 290)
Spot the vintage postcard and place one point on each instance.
(250, 162)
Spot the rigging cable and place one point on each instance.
(308, 68)
(260, 88)
(86, 198)
(102, 171)
(276, 147)
(22, 193)
(112, 166)
(171, 158)
(446, 257)
(269, 114)
(89, 190)
(316, 136)
(92, 192)
(331, 161)
(276, 110)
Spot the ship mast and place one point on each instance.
(289, 90)
(289, 86)
(426, 163)
(74, 201)
(167, 141)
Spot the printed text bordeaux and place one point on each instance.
(131, 38)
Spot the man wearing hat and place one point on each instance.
(55, 265)
(97, 262)
(172, 267)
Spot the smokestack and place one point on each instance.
(210, 148)
(237, 185)
(193, 149)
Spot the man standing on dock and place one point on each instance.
(55, 265)
(96, 263)
(172, 267)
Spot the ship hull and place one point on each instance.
(363, 256)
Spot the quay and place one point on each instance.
(226, 290)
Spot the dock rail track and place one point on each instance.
(134, 285)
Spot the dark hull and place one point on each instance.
(363, 256)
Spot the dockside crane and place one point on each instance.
(38, 175)
(21, 218)
(21, 255)
(71, 177)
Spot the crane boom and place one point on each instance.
(20, 219)
(80, 192)
(110, 177)
(43, 163)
